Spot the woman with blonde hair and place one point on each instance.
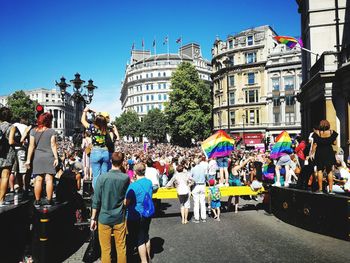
(43, 149)
(323, 154)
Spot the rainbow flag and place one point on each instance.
(288, 41)
(282, 146)
(218, 145)
(268, 172)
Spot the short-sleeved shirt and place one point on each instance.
(98, 139)
(109, 195)
(136, 194)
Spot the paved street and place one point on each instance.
(249, 236)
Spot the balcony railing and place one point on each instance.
(247, 126)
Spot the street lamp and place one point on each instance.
(80, 98)
(243, 122)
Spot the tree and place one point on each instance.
(154, 126)
(128, 124)
(188, 111)
(21, 106)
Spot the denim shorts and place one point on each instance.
(222, 162)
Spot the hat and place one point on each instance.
(104, 114)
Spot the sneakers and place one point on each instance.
(277, 184)
(217, 219)
(286, 185)
(227, 184)
(47, 202)
(195, 221)
(203, 220)
(331, 193)
(318, 192)
(37, 203)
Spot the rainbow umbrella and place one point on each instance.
(219, 144)
(288, 41)
(282, 146)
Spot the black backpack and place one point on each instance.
(4, 143)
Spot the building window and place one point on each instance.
(147, 97)
(147, 87)
(164, 85)
(232, 118)
(276, 118)
(275, 84)
(289, 83)
(47, 95)
(290, 100)
(276, 101)
(137, 99)
(152, 97)
(151, 86)
(152, 107)
(160, 106)
(151, 75)
(159, 74)
(138, 109)
(251, 78)
(147, 108)
(141, 108)
(250, 57)
(250, 40)
(230, 44)
(146, 75)
(164, 74)
(231, 81)
(159, 86)
(159, 96)
(251, 96)
(232, 98)
(251, 116)
(231, 60)
(290, 118)
(164, 97)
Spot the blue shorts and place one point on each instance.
(222, 162)
(215, 204)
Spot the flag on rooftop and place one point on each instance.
(219, 144)
(165, 40)
(179, 40)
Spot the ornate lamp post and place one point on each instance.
(80, 99)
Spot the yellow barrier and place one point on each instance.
(170, 193)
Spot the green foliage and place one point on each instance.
(128, 124)
(188, 111)
(154, 126)
(21, 106)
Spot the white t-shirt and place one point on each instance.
(152, 174)
(212, 167)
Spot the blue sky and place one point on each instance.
(41, 40)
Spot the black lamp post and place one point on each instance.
(80, 98)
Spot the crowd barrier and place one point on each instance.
(171, 193)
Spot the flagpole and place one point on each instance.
(308, 50)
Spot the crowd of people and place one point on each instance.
(126, 174)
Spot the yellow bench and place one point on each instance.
(170, 193)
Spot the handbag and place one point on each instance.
(93, 251)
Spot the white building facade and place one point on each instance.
(147, 84)
(284, 76)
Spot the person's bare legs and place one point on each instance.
(278, 174)
(143, 253)
(148, 249)
(221, 175)
(49, 186)
(330, 181)
(5, 174)
(38, 185)
(186, 215)
(236, 204)
(320, 180)
(182, 214)
(226, 176)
